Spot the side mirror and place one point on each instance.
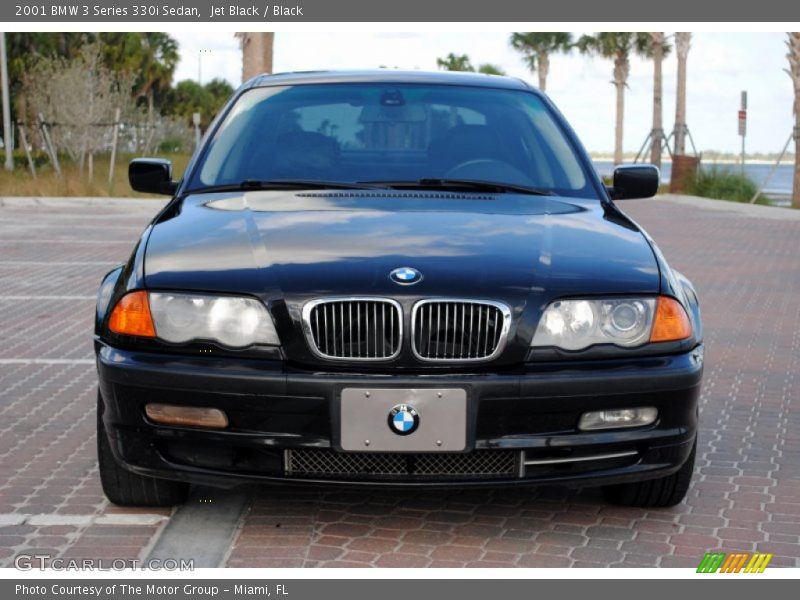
(152, 176)
(635, 181)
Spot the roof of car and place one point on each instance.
(389, 76)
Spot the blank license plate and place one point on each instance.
(403, 420)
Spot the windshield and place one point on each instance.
(392, 133)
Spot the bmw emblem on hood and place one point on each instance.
(403, 419)
(405, 276)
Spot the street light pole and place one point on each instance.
(7, 137)
(200, 64)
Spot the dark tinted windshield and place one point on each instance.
(395, 133)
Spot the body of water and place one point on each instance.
(779, 185)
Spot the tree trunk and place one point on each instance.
(543, 70)
(269, 43)
(22, 107)
(793, 42)
(621, 70)
(796, 186)
(150, 119)
(658, 112)
(257, 53)
(682, 45)
(150, 105)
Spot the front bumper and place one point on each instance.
(281, 417)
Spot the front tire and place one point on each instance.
(125, 488)
(654, 493)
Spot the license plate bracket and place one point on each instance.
(432, 420)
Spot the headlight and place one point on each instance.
(627, 322)
(232, 321)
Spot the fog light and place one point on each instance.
(623, 417)
(186, 416)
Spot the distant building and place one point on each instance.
(256, 53)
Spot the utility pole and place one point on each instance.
(196, 117)
(200, 64)
(8, 138)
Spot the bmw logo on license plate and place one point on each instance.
(403, 419)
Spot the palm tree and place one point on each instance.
(656, 50)
(793, 43)
(682, 44)
(617, 46)
(490, 69)
(537, 47)
(455, 62)
(461, 62)
(159, 58)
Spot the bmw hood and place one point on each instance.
(298, 245)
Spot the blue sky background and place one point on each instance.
(720, 66)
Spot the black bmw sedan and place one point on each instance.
(390, 278)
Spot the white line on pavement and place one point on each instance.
(150, 204)
(2, 297)
(57, 262)
(65, 241)
(56, 519)
(46, 361)
(12, 519)
(123, 519)
(7, 519)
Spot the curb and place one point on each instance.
(59, 201)
(739, 209)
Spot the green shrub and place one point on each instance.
(170, 146)
(39, 158)
(724, 184)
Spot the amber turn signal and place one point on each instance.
(671, 323)
(186, 416)
(131, 316)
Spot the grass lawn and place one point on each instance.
(48, 183)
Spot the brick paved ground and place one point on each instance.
(51, 262)
(746, 493)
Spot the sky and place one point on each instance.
(720, 66)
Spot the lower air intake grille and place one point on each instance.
(350, 465)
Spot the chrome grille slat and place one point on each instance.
(446, 328)
(463, 314)
(445, 333)
(341, 324)
(476, 464)
(374, 329)
(478, 331)
(353, 328)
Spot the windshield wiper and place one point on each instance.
(285, 184)
(477, 185)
